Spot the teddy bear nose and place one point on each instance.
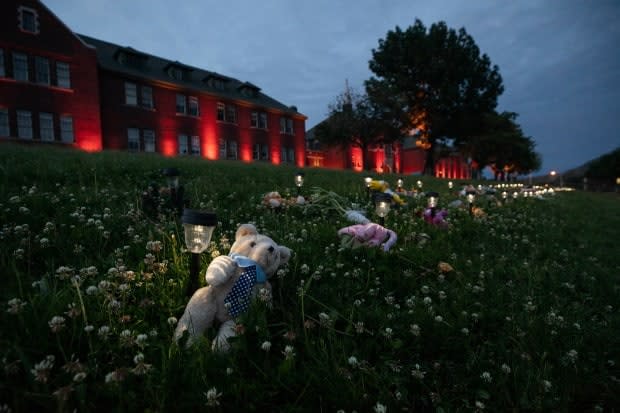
(271, 249)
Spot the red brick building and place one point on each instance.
(60, 87)
(405, 157)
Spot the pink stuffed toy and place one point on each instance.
(438, 219)
(371, 235)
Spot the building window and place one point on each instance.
(149, 140)
(283, 153)
(24, 124)
(259, 120)
(176, 73)
(256, 152)
(42, 70)
(221, 112)
(66, 129)
(286, 126)
(28, 19)
(133, 139)
(228, 149)
(195, 145)
(2, 69)
(193, 106)
(20, 67)
(63, 75)
(147, 97)
(261, 151)
(182, 144)
(181, 108)
(46, 127)
(231, 114)
(291, 155)
(4, 122)
(131, 94)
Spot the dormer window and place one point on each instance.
(249, 90)
(131, 58)
(216, 82)
(178, 71)
(28, 20)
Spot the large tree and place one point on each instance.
(499, 142)
(354, 120)
(430, 81)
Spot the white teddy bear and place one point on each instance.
(232, 281)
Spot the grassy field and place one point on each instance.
(526, 320)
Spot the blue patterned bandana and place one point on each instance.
(238, 299)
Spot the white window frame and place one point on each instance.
(282, 125)
(262, 120)
(231, 150)
(183, 146)
(131, 94)
(221, 112)
(283, 153)
(66, 129)
(21, 11)
(195, 145)
(2, 67)
(133, 139)
(254, 120)
(63, 75)
(256, 151)
(291, 155)
(20, 67)
(46, 127)
(24, 124)
(149, 140)
(192, 106)
(146, 95)
(5, 127)
(289, 126)
(181, 104)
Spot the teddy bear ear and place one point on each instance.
(285, 254)
(245, 229)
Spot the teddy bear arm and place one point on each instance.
(220, 270)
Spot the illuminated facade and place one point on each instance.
(60, 87)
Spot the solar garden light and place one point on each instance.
(504, 195)
(450, 185)
(490, 194)
(432, 200)
(471, 196)
(367, 181)
(299, 181)
(199, 226)
(382, 206)
(419, 183)
(399, 185)
(515, 195)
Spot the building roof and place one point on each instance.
(134, 63)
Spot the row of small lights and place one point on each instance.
(199, 225)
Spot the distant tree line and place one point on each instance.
(434, 86)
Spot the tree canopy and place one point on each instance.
(435, 81)
(355, 120)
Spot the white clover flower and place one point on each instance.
(212, 396)
(486, 376)
(353, 361)
(57, 323)
(16, 306)
(547, 385)
(417, 372)
(359, 327)
(388, 332)
(289, 352)
(304, 269)
(427, 301)
(266, 346)
(506, 368)
(438, 319)
(465, 331)
(42, 369)
(141, 339)
(172, 321)
(89, 328)
(92, 290)
(415, 329)
(380, 408)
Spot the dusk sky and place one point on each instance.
(559, 60)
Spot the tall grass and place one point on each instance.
(527, 320)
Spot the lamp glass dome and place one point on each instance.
(471, 195)
(450, 185)
(382, 205)
(172, 176)
(299, 179)
(198, 226)
(419, 183)
(433, 198)
(368, 180)
(399, 183)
